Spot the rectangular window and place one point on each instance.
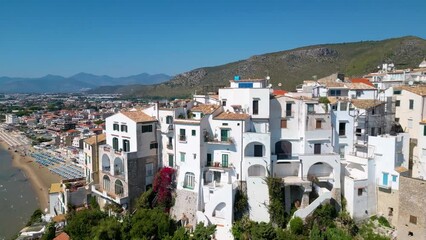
(413, 219)
(171, 160)
(224, 135)
(283, 123)
(225, 160)
(288, 110)
(115, 127)
(182, 156)
(343, 106)
(334, 107)
(396, 92)
(311, 109)
(224, 102)
(318, 123)
(360, 191)
(189, 180)
(169, 119)
(394, 177)
(335, 92)
(342, 129)
(258, 150)
(115, 144)
(126, 145)
(124, 128)
(410, 123)
(149, 169)
(193, 132)
(411, 104)
(153, 145)
(342, 151)
(146, 128)
(255, 107)
(373, 131)
(209, 160)
(424, 130)
(397, 103)
(317, 148)
(182, 134)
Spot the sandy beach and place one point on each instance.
(40, 177)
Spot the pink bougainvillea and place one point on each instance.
(163, 186)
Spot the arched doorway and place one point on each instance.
(219, 210)
(255, 149)
(283, 149)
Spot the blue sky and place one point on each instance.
(121, 38)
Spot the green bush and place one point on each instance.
(296, 225)
(384, 222)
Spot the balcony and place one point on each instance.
(223, 140)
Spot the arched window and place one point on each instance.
(118, 166)
(115, 144)
(189, 180)
(283, 149)
(106, 183)
(119, 190)
(105, 163)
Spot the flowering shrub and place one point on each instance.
(163, 187)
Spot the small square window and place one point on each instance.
(360, 191)
(283, 123)
(193, 132)
(413, 219)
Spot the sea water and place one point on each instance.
(17, 198)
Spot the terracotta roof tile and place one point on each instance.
(419, 89)
(366, 103)
(92, 140)
(362, 80)
(138, 116)
(205, 108)
(62, 236)
(232, 116)
(401, 169)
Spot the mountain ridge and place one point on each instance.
(78, 82)
(290, 67)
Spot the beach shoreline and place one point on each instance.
(40, 177)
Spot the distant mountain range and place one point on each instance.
(75, 83)
(290, 67)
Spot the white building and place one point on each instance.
(128, 160)
(11, 119)
(410, 102)
(302, 152)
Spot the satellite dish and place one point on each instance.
(268, 77)
(410, 83)
(279, 84)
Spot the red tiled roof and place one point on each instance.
(278, 92)
(362, 80)
(62, 236)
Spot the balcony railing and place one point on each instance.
(182, 138)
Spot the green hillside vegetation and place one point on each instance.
(290, 67)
